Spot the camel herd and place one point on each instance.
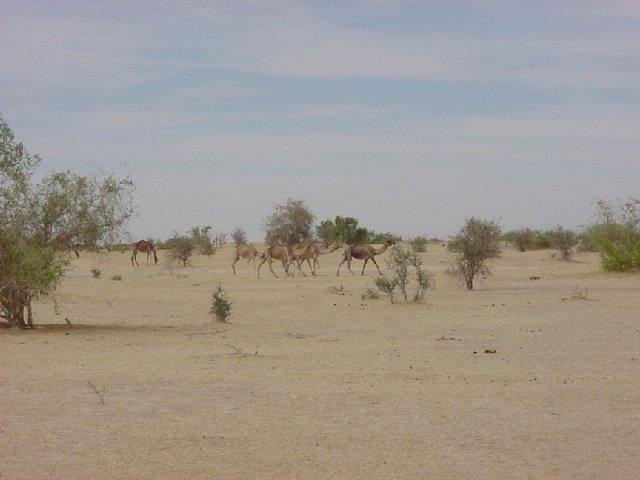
(298, 253)
(292, 254)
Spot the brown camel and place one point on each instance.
(247, 251)
(363, 252)
(277, 252)
(310, 251)
(143, 246)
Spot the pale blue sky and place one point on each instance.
(408, 115)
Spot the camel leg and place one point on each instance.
(134, 257)
(298, 263)
(264, 259)
(365, 264)
(376, 264)
(271, 268)
(236, 258)
(313, 270)
(343, 260)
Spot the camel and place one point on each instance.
(277, 252)
(143, 246)
(309, 251)
(247, 251)
(363, 252)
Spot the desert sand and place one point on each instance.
(309, 381)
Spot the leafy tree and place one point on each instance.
(474, 244)
(291, 222)
(347, 231)
(201, 237)
(181, 248)
(39, 222)
(238, 236)
(326, 231)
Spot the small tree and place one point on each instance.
(39, 222)
(564, 240)
(238, 236)
(180, 248)
(476, 242)
(523, 239)
(326, 231)
(348, 231)
(201, 237)
(290, 223)
(419, 244)
(401, 264)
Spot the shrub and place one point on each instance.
(400, 262)
(387, 286)
(619, 257)
(617, 234)
(419, 244)
(474, 244)
(117, 278)
(370, 294)
(220, 305)
(564, 240)
(96, 272)
(180, 248)
(522, 239)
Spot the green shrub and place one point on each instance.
(522, 239)
(419, 244)
(220, 305)
(618, 257)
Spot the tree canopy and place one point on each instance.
(291, 222)
(38, 222)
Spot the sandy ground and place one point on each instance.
(310, 381)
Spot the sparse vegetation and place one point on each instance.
(475, 243)
(617, 234)
(401, 263)
(387, 286)
(577, 294)
(564, 240)
(419, 244)
(370, 294)
(523, 239)
(117, 277)
(220, 305)
(96, 272)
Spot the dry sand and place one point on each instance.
(309, 383)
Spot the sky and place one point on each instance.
(410, 116)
